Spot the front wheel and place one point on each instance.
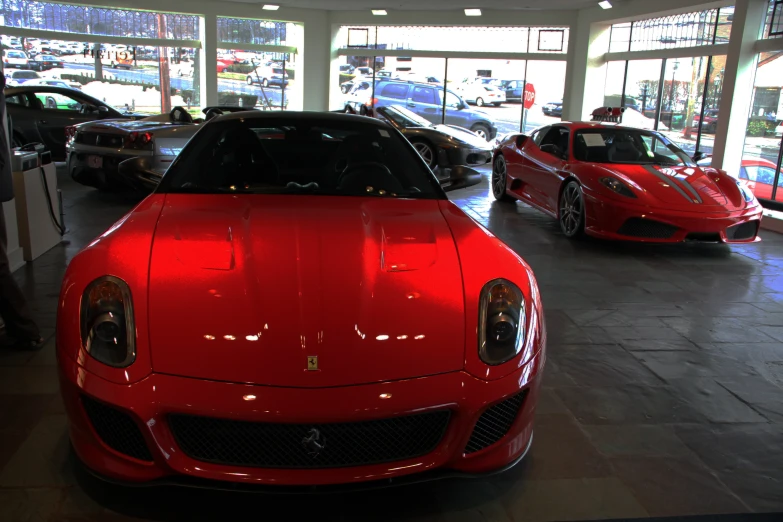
(426, 152)
(481, 130)
(249, 80)
(479, 102)
(499, 177)
(572, 210)
(265, 83)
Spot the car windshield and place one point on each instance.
(298, 155)
(623, 145)
(402, 117)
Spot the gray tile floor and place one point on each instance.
(663, 392)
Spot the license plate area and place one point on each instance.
(95, 162)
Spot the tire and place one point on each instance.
(479, 102)
(249, 80)
(481, 130)
(426, 151)
(344, 89)
(498, 180)
(265, 83)
(51, 103)
(571, 210)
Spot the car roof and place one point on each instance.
(300, 116)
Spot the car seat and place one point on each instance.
(623, 149)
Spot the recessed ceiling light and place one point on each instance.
(379, 12)
(271, 7)
(606, 4)
(472, 12)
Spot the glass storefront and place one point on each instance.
(760, 167)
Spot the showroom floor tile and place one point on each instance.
(662, 393)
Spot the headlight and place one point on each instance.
(615, 185)
(501, 322)
(746, 193)
(106, 318)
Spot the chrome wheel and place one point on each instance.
(499, 179)
(250, 80)
(481, 132)
(572, 210)
(426, 152)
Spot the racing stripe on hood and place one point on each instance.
(684, 180)
(670, 180)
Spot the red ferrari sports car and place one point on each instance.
(622, 183)
(298, 303)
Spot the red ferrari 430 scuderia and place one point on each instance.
(298, 303)
(622, 183)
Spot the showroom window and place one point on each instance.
(258, 64)
(773, 28)
(456, 38)
(707, 27)
(127, 74)
(762, 152)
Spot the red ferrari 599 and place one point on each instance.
(298, 304)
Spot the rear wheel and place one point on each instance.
(572, 211)
(265, 82)
(479, 102)
(426, 151)
(499, 177)
(249, 80)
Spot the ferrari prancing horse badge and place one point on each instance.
(312, 362)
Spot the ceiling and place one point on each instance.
(429, 5)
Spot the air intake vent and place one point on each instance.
(495, 423)
(646, 228)
(743, 231)
(268, 445)
(116, 429)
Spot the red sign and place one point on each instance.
(529, 96)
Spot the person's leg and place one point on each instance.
(19, 323)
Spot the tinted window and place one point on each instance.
(26, 75)
(18, 99)
(322, 157)
(539, 135)
(424, 95)
(395, 90)
(56, 101)
(623, 145)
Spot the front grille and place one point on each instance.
(646, 228)
(742, 231)
(495, 423)
(268, 445)
(703, 236)
(116, 429)
(99, 140)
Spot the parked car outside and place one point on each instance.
(53, 83)
(14, 78)
(480, 93)
(267, 75)
(427, 101)
(44, 62)
(513, 89)
(553, 109)
(347, 68)
(757, 174)
(14, 59)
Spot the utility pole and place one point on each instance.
(164, 80)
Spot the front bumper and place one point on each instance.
(463, 156)
(606, 217)
(149, 401)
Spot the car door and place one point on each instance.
(543, 166)
(456, 113)
(57, 111)
(23, 116)
(425, 102)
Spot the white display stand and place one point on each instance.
(14, 251)
(37, 232)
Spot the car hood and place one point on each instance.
(463, 135)
(683, 188)
(247, 288)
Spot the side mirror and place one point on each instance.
(103, 111)
(139, 172)
(461, 177)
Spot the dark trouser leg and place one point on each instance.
(13, 306)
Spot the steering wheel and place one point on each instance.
(213, 112)
(180, 115)
(355, 168)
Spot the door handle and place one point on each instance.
(44, 122)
